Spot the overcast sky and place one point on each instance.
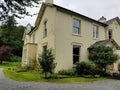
(91, 8)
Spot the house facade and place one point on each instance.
(69, 34)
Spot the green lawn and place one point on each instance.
(35, 76)
(9, 64)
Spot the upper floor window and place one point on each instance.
(45, 29)
(76, 26)
(95, 31)
(110, 34)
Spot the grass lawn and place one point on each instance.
(9, 64)
(35, 76)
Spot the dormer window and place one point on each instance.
(45, 29)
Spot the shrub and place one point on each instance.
(85, 68)
(103, 56)
(33, 65)
(70, 72)
(26, 68)
(16, 59)
(46, 61)
(5, 53)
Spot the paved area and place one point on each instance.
(8, 84)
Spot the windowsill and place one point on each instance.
(95, 38)
(76, 34)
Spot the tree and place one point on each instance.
(18, 43)
(11, 35)
(102, 56)
(5, 53)
(16, 7)
(0, 37)
(46, 61)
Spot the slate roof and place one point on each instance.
(111, 20)
(65, 11)
(104, 43)
(78, 14)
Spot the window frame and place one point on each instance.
(76, 27)
(76, 55)
(45, 32)
(110, 30)
(95, 31)
(45, 48)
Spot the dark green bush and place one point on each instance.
(85, 68)
(16, 59)
(46, 61)
(102, 56)
(70, 72)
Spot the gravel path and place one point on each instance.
(8, 84)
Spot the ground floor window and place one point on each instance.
(76, 53)
(45, 48)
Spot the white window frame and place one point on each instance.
(95, 32)
(77, 27)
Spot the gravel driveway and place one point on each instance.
(8, 84)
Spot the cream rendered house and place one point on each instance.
(69, 34)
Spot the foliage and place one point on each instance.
(70, 72)
(22, 76)
(7, 64)
(35, 77)
(16, 8)
(102, 56)
(0, 36)
(16, 59)
(46, 61)
(33, 65)
(85, 68)
(5, 53)
(11, 35)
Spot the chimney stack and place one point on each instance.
(102, 19)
